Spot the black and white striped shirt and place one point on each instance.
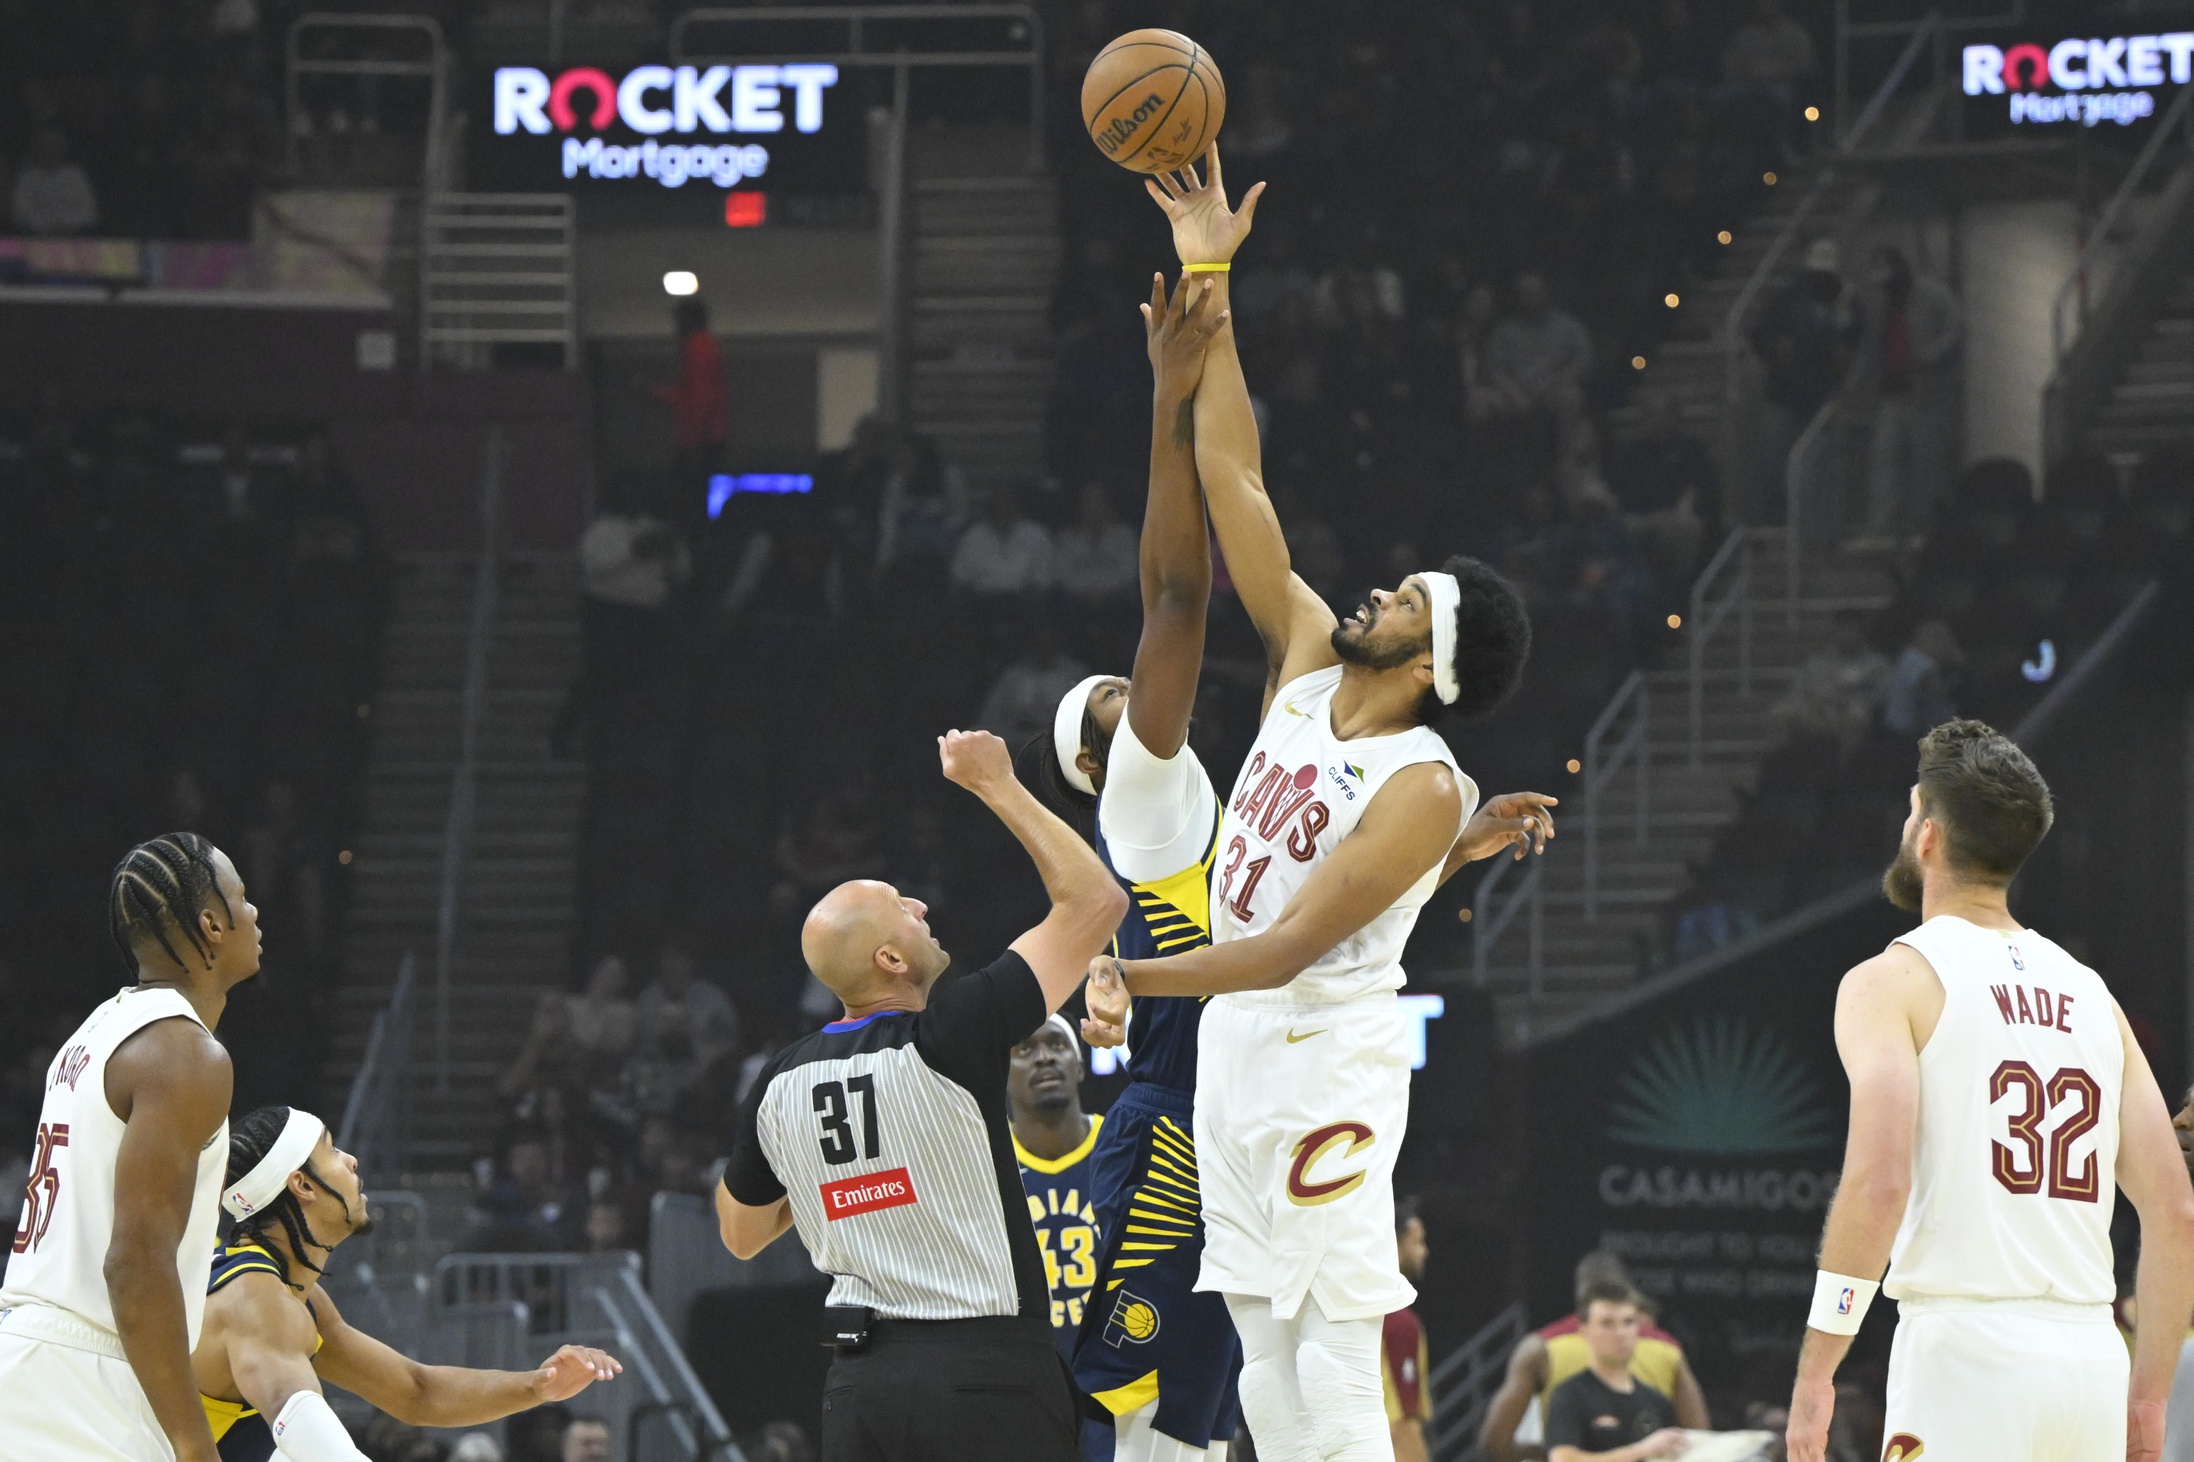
(890, 1135)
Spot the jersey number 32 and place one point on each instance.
(2024, 1169)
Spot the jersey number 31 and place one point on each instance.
(2025, 1171)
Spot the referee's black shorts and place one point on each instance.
(987, 1390)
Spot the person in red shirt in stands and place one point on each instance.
(701, 402)
(1404, 1355)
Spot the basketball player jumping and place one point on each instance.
(272, 1334)
(1346, 817)
(1997, 1094)
(106, 1285)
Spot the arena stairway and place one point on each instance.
(984, 259)
(521, 877)
(1586, 961)
(2151, 404)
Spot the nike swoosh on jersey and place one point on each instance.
(1292, 1038)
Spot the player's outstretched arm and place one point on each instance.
(1526, 1375)
(2152, 1172)
(1175, 550)
(1520, 820)
(1876, 1008)
(170, 1083)
(421, 1395)
(1404, 832)
(1294, 623)
(1086, 902)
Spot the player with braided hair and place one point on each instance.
(272, 1335)
(106, 1286)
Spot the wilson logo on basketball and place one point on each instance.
(1902, 1447)
(1306, 1192)
(1120, 129)
(849, 1196)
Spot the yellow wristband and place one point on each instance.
(1205, 268)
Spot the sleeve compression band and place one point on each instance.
(308, 1430)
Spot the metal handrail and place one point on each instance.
(464, 783)
(2179, 115)
(671, 1358)
(1601, 765)
(1488, 925)
(1794, 498)
(373, 1125)
(1704, 622)
(1733, 337)
(1464, 1381)
(435, 69)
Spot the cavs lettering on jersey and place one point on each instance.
(1302, 791)
(240, 1434)
(1063, 1209)
(2018, 1127)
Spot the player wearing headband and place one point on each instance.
(1345, 818)
(272, 1336)
(1121, 746)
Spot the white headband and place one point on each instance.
(1445, 595)
(1066, 1026)
(1066, 733)
(270, 1175)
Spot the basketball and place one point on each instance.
(1153, 100)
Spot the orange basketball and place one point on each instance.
(1153, 101)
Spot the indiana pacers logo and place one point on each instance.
(1134, 1321)
(1902, 1447)
(1305, 1191)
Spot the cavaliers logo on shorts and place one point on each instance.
(1134, 1320)
(1306, 1191)
(1903, 1447)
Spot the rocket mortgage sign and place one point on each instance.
(2085, 81)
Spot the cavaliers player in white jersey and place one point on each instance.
(1347, 815)
(106, 1282)
(1996, 1092)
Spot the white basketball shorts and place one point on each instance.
(2006, 1381)
(1300, 1113)
(67, 1392)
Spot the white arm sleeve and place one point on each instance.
(308, 1430)
(1156, 813)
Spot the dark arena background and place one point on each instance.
(1817, 371)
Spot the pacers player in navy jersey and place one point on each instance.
(1155, 1355)
(1052, 1140)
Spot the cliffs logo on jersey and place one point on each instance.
(849, 1196)
(1303, 1190)
(1133, 1321)
(1902, 1447)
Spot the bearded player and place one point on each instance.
(272, 1335)
(1998, 1101)
(1346, 817)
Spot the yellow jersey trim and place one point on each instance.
(1134, 1396)
(1055, 1165)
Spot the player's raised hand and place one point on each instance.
(1521, 819)
(571, 1370)
(1176, 331)
(1106, 997)
(975, 760)
(1205, 230)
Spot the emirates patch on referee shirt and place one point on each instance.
(848, 1196)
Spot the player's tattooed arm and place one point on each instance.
(423, 1395)
(171, 1084)
(1405, 832)
(1175, 559)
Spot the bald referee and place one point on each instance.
(884, 1139)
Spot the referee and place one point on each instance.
(884, 1139)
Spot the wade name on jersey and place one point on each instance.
(2033, 1005)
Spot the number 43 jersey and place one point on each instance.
(2017, 1145)
(889, 1135)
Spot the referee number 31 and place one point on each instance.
(834, 1106)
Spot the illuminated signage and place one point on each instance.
(2087, 81)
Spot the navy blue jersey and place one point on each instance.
(1166, 916)
(1063, 1208)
